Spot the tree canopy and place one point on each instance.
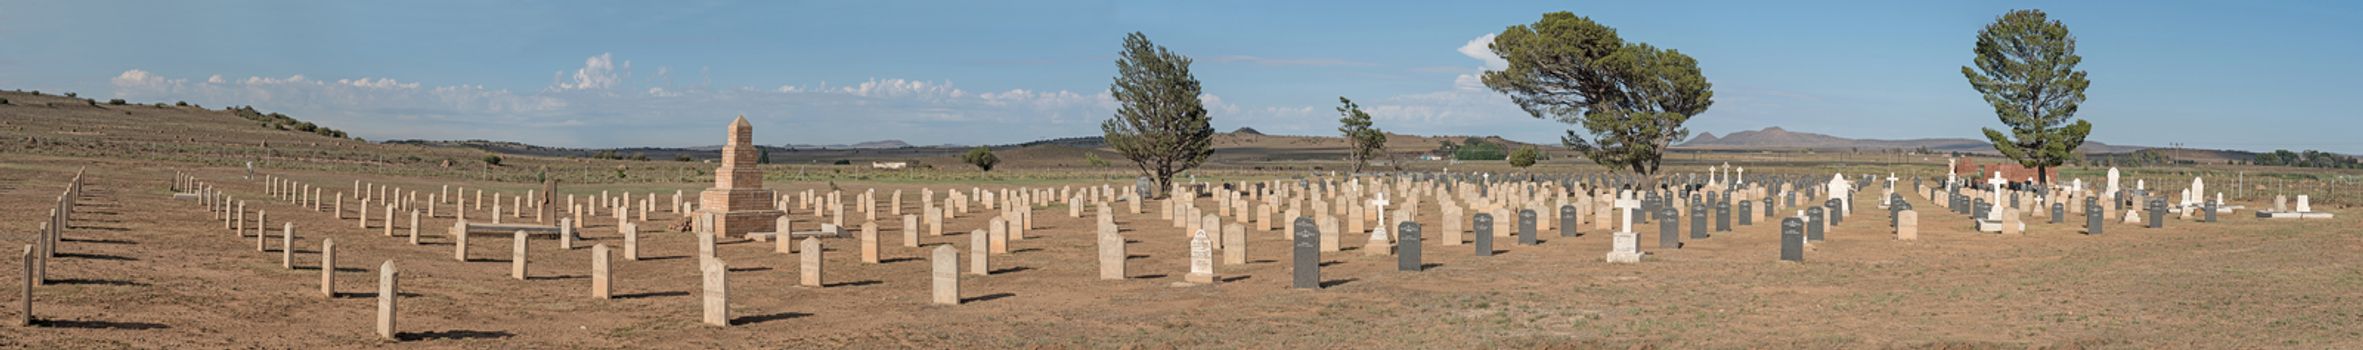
(1630, 98)
(1366, 142)
(2025, 66)
(1160, 124)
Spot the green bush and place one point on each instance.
(981, 157)
(1525, 157)
(843, 162)
(116, 102)
(492, 159)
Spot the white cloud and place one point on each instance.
(215, 79)
(598, 72)
(1480, 49)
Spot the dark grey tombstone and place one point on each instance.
(1407, 247)
(1814, 221)
(1669, 232)
(2014, 199)
(1769, 212)
(1981, 209)
(2093, 215)
(1567, 220)
(1484, 223)
(1792, 240)
(1526, 227)
(2209, 210)
(2058, 210)
(1142, 188)
(1307, 259)
(1837, 210)
(1747, 216)
(1698, 220)
(2157, 213)
(1792, 200)
(1723, 216)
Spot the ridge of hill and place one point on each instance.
(1776, 138)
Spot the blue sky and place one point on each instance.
(2243, 75)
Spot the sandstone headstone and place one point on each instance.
(328, 267)
(1201, 259)
(600, 288)
(717, 291)
(1907, 225)
(517, 257)
(387, 289)
(978, 254)
(811, 263)
(1111, 252)
(946, 263)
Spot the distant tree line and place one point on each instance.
(2308, 159)
(1473, 149)
(283, 122)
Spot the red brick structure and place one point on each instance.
(738, 203)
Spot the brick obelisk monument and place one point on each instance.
(738, 203)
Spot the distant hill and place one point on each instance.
(1247, 131)
(880, 144)
(1775, 138)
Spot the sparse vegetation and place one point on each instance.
(1088, 158)
(981, 157)
(2308, 159)
(283, 122)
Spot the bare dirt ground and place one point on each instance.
(139, 270)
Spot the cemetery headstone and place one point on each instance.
(1407, 251)
(1484, 244)
(1792, 240)
(1526, 227)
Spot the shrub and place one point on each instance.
(116, 102)
(843, 162)
(684, 158)
(69, 94)
(981, 157)
(1525, 157)
(492, 159)
(1093, 159)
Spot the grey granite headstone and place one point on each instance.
(2058, 210)
(1669, 232)
(1526, 227)
(2093, 215)
(1722, 216)
(1792, 240)
(1837, 211)
(2157, 213)
(2208, 210)
(1484, 224)
(1698, 220)
(1769, 212)
(1567, 220)
(1814, 217)
(1747, 213)
(1306, 269)
(1407, 247)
